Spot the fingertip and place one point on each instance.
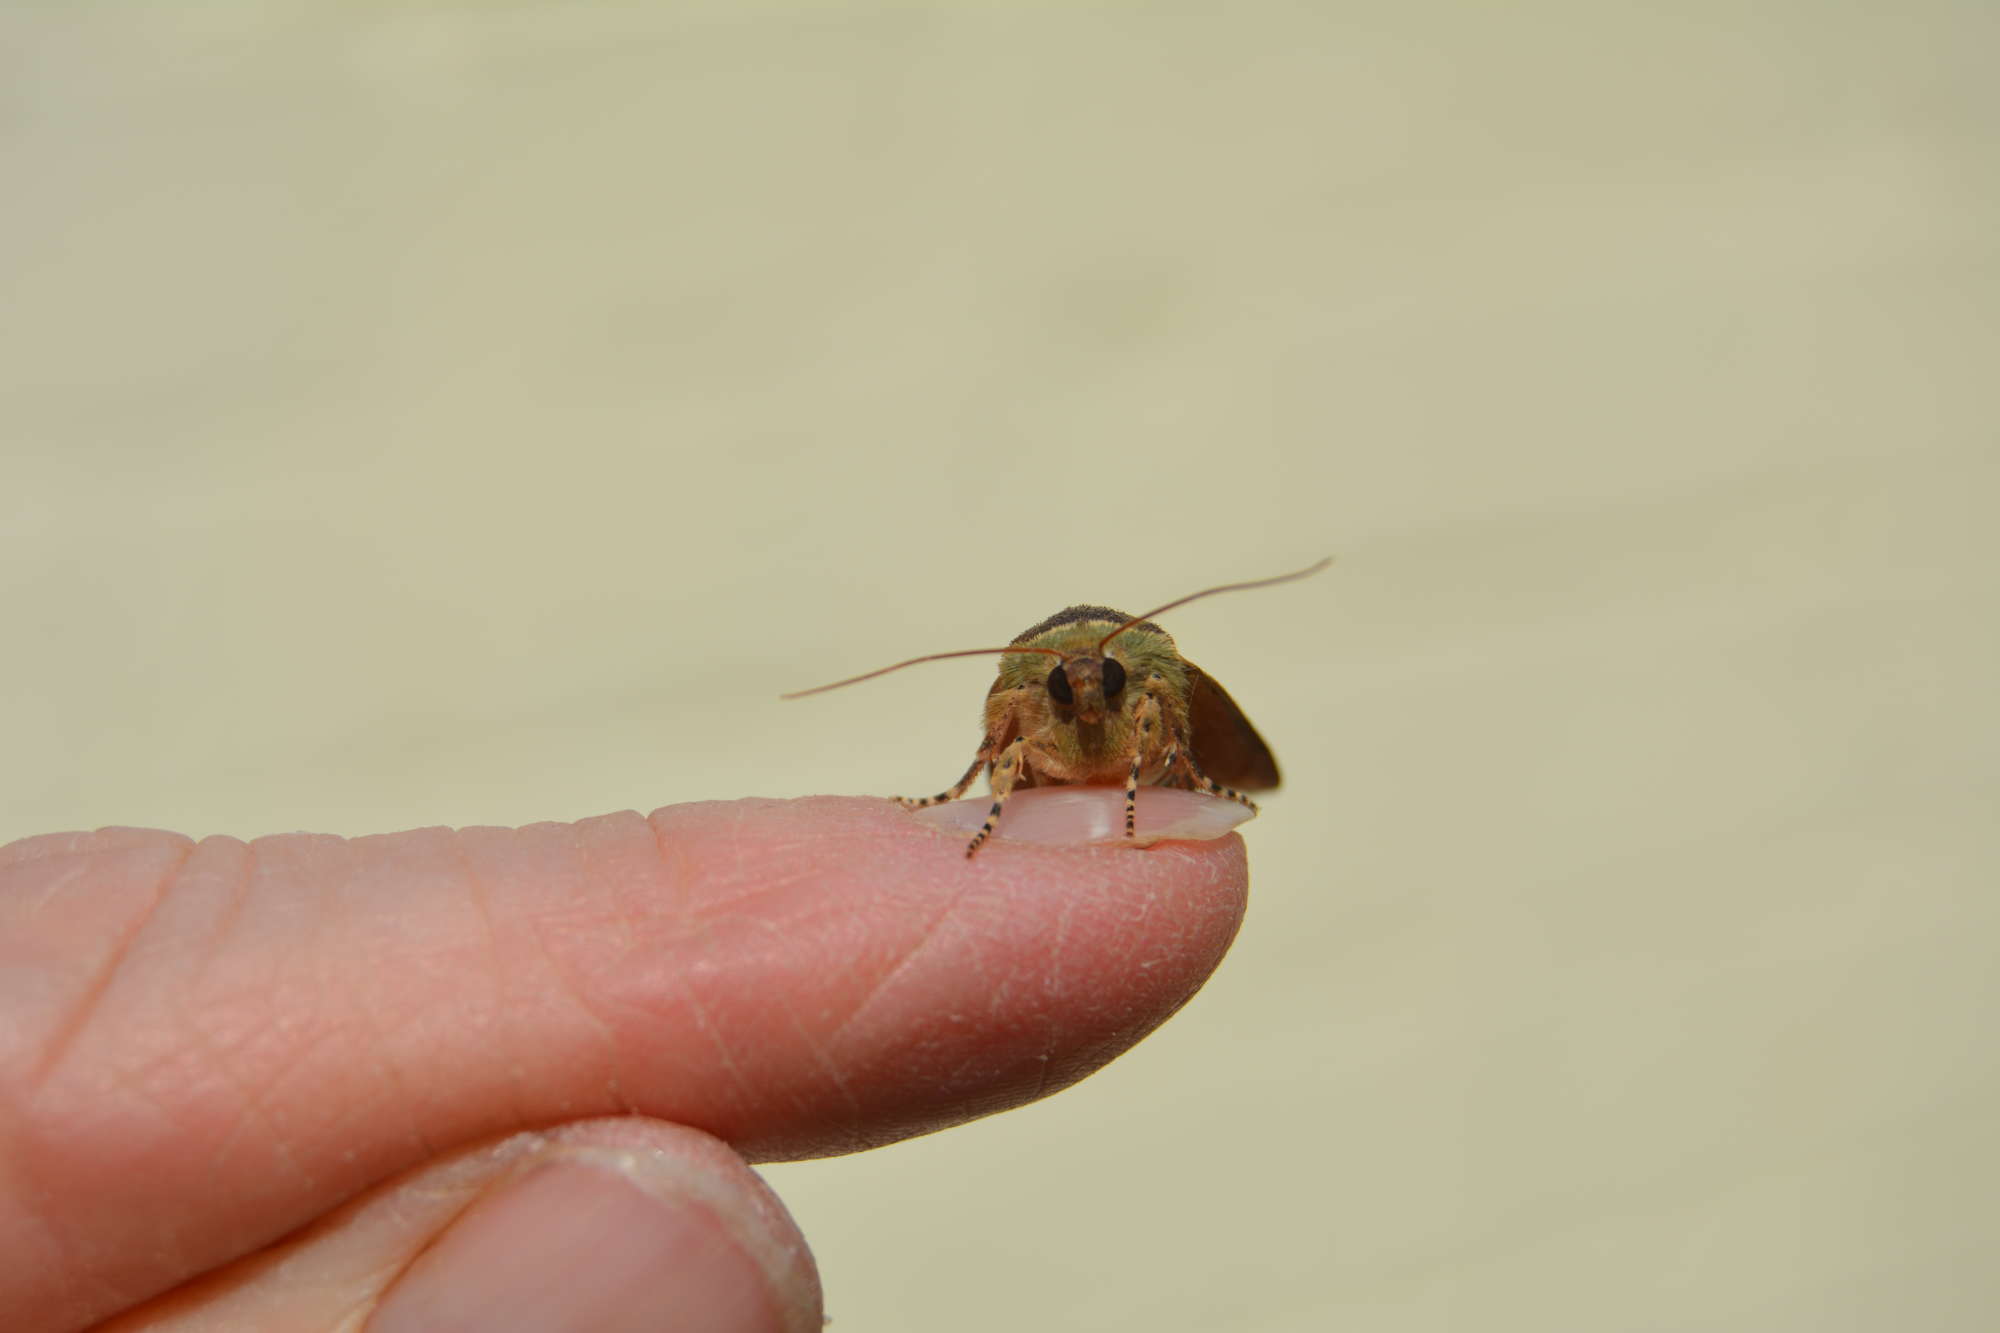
(925, 987)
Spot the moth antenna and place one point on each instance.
(928, 657)
(1309, 570)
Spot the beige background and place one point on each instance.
(473, 413)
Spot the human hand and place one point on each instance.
(314, 1083)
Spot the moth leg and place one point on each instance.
(1005, 774)
(952, 793)
(1203, 783)
(1146, 722)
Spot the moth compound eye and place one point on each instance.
(1114, 676)
(1059, 687)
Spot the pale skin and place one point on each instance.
(306, 1083)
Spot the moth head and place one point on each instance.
(1090, 686)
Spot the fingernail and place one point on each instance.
(1081, 815)
(584, 1245)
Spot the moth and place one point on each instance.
(1092, 696)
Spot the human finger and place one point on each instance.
(212, 1044)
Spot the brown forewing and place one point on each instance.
(1226, 746)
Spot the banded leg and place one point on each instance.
(952, 793)
(1147, 720)
(1005, 774)
(1203, 783)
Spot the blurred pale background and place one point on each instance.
(454, 413)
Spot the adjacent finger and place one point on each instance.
(210, 1045)
(601, 1225)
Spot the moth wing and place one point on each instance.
(1226, 746)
